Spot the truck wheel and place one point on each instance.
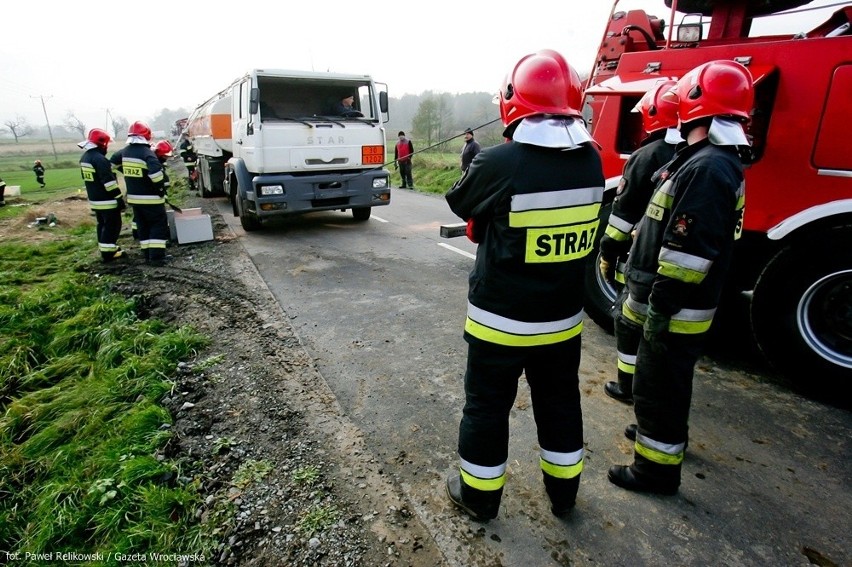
(600, 295)
(203, 189)
(362, 213)
(249, 222)
(801, 312)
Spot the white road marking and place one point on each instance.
(458, 251)
(380, 219)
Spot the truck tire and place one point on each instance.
(203, 188)
(249, 222)
(801, 311)
(600, 295)
(362, 213)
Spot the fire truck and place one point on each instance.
(791, 281)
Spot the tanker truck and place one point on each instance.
(276, 143)
(791, 282)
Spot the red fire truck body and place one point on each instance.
(793, 268)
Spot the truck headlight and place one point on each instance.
(380, 182)
(271, 190)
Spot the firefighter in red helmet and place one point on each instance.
(144, 178)
(532, 205)
(659, 120)
(103, 191)
(678, 263)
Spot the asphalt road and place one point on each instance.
(381, 304)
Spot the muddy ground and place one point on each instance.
(285, 479)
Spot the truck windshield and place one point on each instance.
(308, 100)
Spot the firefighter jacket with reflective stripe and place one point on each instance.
(143, 174)
(633, 193)
(536, 211)
(187, 152)
(101, 187)
(684, 243)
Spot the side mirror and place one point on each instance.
(383, 101)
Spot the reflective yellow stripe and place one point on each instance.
(485, 484)
(508, 339)
(634, 310)
(627, 363)
(618, 228)
(561, 471)
(498, 329)
(680, 273)
(616, 234)
(656, 452)
(684, 267)
(553, 217)
(145, 200)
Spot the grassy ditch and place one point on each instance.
(82, 433)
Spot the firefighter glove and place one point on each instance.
(121, 204)
(655, 329)
(607, 269)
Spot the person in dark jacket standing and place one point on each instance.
(659, 120)
(38, 169)
(103, 191)
(678, 263)
(144, 178)
(190, 160)
(469, 150)
(402, 157)
(532, 205)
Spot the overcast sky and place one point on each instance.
(137, 58)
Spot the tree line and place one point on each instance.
(430, 118)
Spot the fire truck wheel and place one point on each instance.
(600, 295)
(362, 213)
(801, 312)
(249, 222)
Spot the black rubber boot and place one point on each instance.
(630, 431)
(621, 391)
(627, 478)
(480, 505)
(562, 493)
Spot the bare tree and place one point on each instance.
(119, 125)
(75, 124)
(18, 127)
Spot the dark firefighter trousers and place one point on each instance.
(491, 385)
(108, 230)
(627, 336)
(152, 226)
(662, 394)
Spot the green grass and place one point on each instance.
(81, 436)
(433, 171)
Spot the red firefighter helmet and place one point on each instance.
(139, 129)
(163, 149)
(715, 88)
(541, 83)
(98, 137)
(658, 108)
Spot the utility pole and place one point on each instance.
(49, 131)
(110, 123)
